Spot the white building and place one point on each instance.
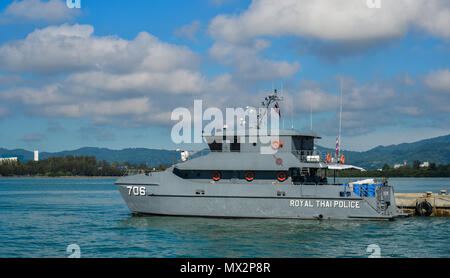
(9, 159)
(396, 166)
(36, 155)
(425, 164)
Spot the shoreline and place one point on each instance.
(375, 177)
(65, 177)
(100, 177)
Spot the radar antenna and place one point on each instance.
(268, 100)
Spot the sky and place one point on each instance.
(110, 73)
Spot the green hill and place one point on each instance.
(153, 157)
(435, 150)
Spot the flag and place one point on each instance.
(337, 146)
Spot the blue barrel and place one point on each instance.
(365, 190)
(371, 190)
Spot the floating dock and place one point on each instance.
(424, 204)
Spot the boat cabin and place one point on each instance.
(288, 157)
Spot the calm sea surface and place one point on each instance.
(40, 217)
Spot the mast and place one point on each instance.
(281, 93)
(340, 116)
(268, 101)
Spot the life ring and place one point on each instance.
(281, 176)
(424, 209)
(275, 144)
(249, 176)
(342, 159)
(216, 175)
(328, 157)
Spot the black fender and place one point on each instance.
(424, 208)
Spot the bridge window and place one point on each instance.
(235, 146)
(215, 147)
(302, 143)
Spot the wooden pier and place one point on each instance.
(424, 204)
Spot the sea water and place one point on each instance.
(42, 217)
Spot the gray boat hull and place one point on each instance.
(167, 194)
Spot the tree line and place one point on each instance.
(433, 170)
(71, 166)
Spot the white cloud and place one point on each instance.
(329, 29)
(434, 17)
(369, 105)
(355, 97)
(343, 20)
(438, 80)
(105, 78)
(188, 31)
(246, 63)
(315, 99)
(98, 108)
(69, 48)
(49, 94)
(35, 10)
(175, 82)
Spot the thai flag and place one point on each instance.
(337, 146)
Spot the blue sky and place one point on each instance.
(109, 74)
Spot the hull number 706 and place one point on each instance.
(136, 190)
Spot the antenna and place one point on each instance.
(310, 110)
(282, 95)
(281, 91)
(267, 103)
(340, 114)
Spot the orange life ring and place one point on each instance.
(216, 175)
(281, 176)
(342, 159)
(249, 176)
(328, 158)
(275, 144)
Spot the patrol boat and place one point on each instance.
(236, 180)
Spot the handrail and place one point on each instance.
(131, 172)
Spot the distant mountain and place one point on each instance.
(153, 157)
(435, 150)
